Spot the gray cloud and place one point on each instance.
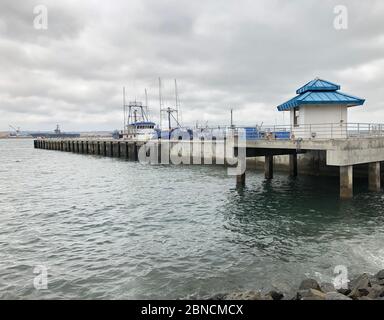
(243, 54)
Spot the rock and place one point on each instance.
(375, 281)
(327, 287)
(247, 295)
(380, 275)
(291, 296)
(276, 295)
(344, 291)
(358, 293)
(362, 281)
(376, 291)
(218, 296)
(310, 294)
(364, 298)
(336, 296)
(359, 287)
(309, 284)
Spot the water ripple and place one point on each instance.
(108, 228)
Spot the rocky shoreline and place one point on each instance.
(363, 287)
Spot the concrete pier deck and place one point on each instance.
(340, 153)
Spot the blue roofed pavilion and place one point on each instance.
(317, 92)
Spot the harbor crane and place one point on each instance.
(17, 131)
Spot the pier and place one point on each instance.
(318, 127)
(341, 154)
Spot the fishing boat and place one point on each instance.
(137, 125)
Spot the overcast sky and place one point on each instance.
(248, 55)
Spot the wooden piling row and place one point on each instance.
(107, 148)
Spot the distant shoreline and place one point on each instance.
(15, 138)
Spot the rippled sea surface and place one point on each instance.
(112, 229)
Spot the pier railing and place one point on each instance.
(307, 131)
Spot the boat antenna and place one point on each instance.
(177, 101)
(160, 99)
(146, 102)
(124, 110)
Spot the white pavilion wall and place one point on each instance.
(325, 121)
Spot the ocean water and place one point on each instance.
(107, 228)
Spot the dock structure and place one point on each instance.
(341, 153)
(318, 126)
(319, 123)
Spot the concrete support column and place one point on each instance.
(293, 165)
(240, 180)
(374, 176)
(346, 182)
(268, 167)
(316, 162)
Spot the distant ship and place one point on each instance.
(55, 134)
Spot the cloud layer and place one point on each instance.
(245, 55)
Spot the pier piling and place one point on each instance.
(116, 149)
(346, 182)
(268, 167)
(123, 149)
(240, 180)
(293, 165)
(374, 176)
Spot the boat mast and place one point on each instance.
(160, 101)
(146, 103)
(124, 110)
(177, 102)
